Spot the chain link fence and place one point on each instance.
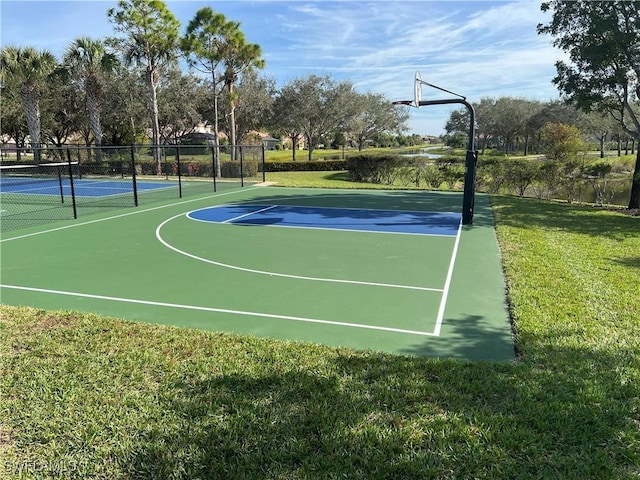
(40, 186)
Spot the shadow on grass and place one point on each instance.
(633, 262)
(338, 176)
(528, 213)
(378, 416)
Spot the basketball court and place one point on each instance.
(395, 271)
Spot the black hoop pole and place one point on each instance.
(468, 199)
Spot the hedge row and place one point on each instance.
(306, 166)
(228, 169)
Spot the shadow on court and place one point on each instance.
(373, 199)
(469, 338)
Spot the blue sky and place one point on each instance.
(475, 48)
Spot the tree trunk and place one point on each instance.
(310, 147)
(294, 145)
(31, 107)
(232, 120)
(93, 108)
(155, 127)
(634, 201)
(619, 146)
(216, 127)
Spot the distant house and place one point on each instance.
(300, 143)
(270, 142)
(8, 146)
(267, 140)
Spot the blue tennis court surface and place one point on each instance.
(381, 221)
(82, 188)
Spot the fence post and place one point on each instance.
(73, 192)
(264, 178)
(133, 176)
(179, 171)
(241, 165)
(213, 165)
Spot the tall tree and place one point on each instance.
(88, 61)
(62, 111)
(12, 121)
(315, 106)
(127, 117)
(601, 126)
(371, 115)
(254, 106)
(178, 98)
(510, 117)
(287, 116)
(150, 40)
(26, 70)
(201, 45)
(602, 39)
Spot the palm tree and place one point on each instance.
(27, 70)
(237, 56)
(212, 41)
(89, 61)
(150, 40)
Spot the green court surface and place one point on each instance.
(365, 269)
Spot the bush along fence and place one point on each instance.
(49, 184)
(573, 181)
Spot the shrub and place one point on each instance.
(520, 174)
(231, 169)
(372, 168)
(451, 170)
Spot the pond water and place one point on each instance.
(421, 152)
(617, 193)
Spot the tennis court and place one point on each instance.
(37, 194)
(387, 270)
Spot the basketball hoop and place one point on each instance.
(471, 160)
(408, 103)
(417, 93)
(417, 89)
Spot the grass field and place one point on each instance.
(83, 396)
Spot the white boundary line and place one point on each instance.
(135, 212)
(229, 220)
(219, 310)
(447, 284)
(274, 274)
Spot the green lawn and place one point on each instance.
(88, 397)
